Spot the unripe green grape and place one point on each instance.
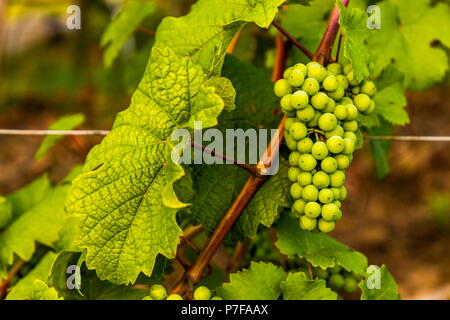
(307, 224)
(316, 71)
(343, 191)
(336, 281)
(350, 135)
(296, 190)
(298, 131)
(158, 292)
(305, 145)
(371, 108)
(331, 105)
(327, 122)
(293, 172)
(349, 285)
(362, 102)
(337, 94)
(287, 72)
(310, 193)
(342, 81)
(307, 162)
(202, 293)
(338, 131)
(335, 144)
(216, 298)
(293, 158)
(352, 79)
(299, 206)
(285, 103)
(352, 112)
(319, 100)
(338, 204)
(304, 179)
(147, 298)
(288, 123)
(301, 67)
(336, 193)
(326, 196)
(340, 112)
(174, 297)
(350, 157)
(321, 273)
(330, 83)
(306, 114)
(290, 142)
(312, 209)
(315, 120)
(350, 125)
(311, 86)
(282, 88)
(329, 165)
(330, 211)
(326, 226)
(319, 151)
(335, 68)
(321, 180)
(335, 269)
(368, 87)
(296, 78)
(347, 68)
(346, 100)
(337, 179)
(299, 99)
(339, 216)
(349, 146)
(355, 90)
(343, 162)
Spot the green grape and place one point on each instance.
(307, 162)
(306, 114)
(326, 196)
(350, 125)
(287, 72)
(349, 146)
(343, 161)
(174, 297)
(355, 90)
(315, 120)
(290, 142)
(293, 172)
(299, 99)
(335, 68)
(330, 83)
(321, 180)
(329, 165)
(147, 298)
(326, 226)
(350, 135)
(337, 179)
(338, 131)
(336, 281)
(312, 209)
(335, 144)
(347, 68)
(327, 122)
(304, 178)
(282, 88)
(340, 112)
(305, 145)
(301, 67)
(362, 102)
(336, 193)
(331, 105)
(158, 292)
(352, 112)
(330, 211)
(296, 190)
(202, 293)
(319, 100)
(321, 273)
(311, 86)
(352, 79)
(299, 206)
(296, 78)
(307, 224)
(310, 193)
(285, 103)
(368, 87)
(316, 71)
(343, 191)
(216, 298)
(349, 285)
(338, 204)
(293, 158)
(319, 150)
(335, 269)
(288, 123)
(371, 108)
(298, 131)
(346, 100)
(337, 94)
(342, 81)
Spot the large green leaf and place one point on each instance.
(297, 287)
(122, 27)
(261, 282)
(380, 148)
(318, 248)
(6, 212)
(126, 194)
(380, 285)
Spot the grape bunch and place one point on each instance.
(159, 292)
(338, 279)
(321, 132)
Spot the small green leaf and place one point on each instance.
(68, 122)
(41, 291)
(297, 287)
(382, 285)
(261, 282)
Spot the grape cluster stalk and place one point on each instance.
(323, 106)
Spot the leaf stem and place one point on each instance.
(10, 276)
(291, 38)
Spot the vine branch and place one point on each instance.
(9, 277)
(292, 39)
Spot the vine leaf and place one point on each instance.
(262, 281)
(6, 212)
(318, 248)
(383, 286)
(67, 122)
(122, 27)
(380, 148)
(39, 290)
(408, 34)
(126, 194)
(297, 287)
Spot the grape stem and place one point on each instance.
(10, 276)
(291, 38)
